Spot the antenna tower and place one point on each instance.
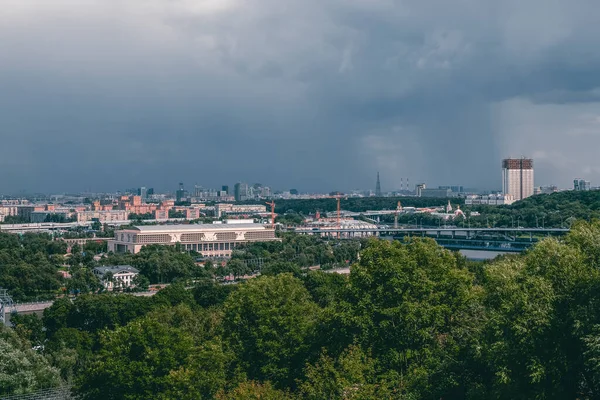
(378, 186)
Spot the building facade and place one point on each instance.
(103, 216)
(581, 184)
(222, 209)
(491, 199)
(116, 276)
(517, 177)
(211, 240)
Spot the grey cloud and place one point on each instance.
(312, 94)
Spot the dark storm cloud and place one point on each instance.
(312, 94)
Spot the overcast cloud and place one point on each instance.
(313, 94)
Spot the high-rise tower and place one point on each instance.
(517, 177)
(378, 186)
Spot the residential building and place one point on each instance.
(103, 216)
(581, 184)
(490, 199)
(211, 240)
(222, 209)
(517, 177)
(116, 276)
(419, 189)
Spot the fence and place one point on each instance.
(59, 393)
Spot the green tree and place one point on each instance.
(254, 391)
(21, 369)
(208, 293)
(268, 322)
(413, 304)
(352, 376)
(29, 327)
(83, 281)
(136, 359)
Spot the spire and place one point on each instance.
(378, 186)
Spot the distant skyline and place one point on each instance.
(317, 95)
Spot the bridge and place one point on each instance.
(37, 307)
(55, 226)
(455, 238)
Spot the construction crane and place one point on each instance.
(398, 209)
(338, 197)
(272, 204)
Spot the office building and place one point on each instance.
(143, 193)
(581, 184)
(517, 177)
(419, 189)
(241, 191)
(211, 240)
(180, 194)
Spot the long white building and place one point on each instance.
(212, 240)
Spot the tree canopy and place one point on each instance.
(412, 321)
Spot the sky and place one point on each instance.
(317, 95)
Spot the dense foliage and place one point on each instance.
(356, 204)
(555, 210)
(411, 321)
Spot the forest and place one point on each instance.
(411, 321)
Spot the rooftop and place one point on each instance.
(116, 269)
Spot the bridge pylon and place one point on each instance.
(6, 303)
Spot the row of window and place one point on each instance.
(209, 246)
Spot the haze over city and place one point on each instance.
(316, 95)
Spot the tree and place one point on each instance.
(351, 376)
(280, 267)
(57, 315)
(82, 281)
(141, 283)
(28, 327)
(208, 293)
(543, 310)
(415, 306)
(21, 369)
(254, 391)
(238, 268)
(136, 359)
(173, 295)
(268, 322)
